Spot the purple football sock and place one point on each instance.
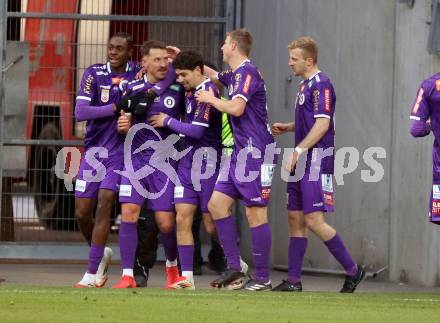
(95, 255)
(337, 248)
(169, 242)
(186, 257)
(297, 250)
(227, 234)
(128, 237)
(261, 243)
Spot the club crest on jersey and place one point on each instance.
(230, 90)
(105, 94)
(169, 102)
(188, 108)
(301, 98)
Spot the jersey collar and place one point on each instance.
(127, 68)
(200, 86)
(242, 63)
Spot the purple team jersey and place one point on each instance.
(205, 116)
(251, 129)
(170, 102)
(316, 99)
(424, 109)
(99, 87)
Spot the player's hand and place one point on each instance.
(172, 52)
(129, 102)
(124, 123)
(140, 74)
(205, 96)
(290, 167)
(144, 105)
(158, 120)
(279, 128)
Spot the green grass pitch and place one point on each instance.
(54, 304)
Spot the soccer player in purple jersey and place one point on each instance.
(249, 118)
(170, 102)
(425, 117)
(312, 196)
(97, 183)
(201, 126)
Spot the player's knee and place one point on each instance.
(81, 214)
(129, 214)
(313, 223)
(215, 208)
(183, 223)
(105, 202)
(296, 221)
(166, 226)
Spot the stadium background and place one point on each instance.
(376, 53)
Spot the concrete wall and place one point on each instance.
(375, 54)
(414, 242)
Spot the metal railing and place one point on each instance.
(57, 40)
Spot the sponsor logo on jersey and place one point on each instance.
(327, 183)
(175, 87)
(265, 193)
(247, 84)
(105, 94)
(316, 100)
(178, 191)
(169, 102)
(436, 192)
(237, 78)
(80, 185)
(207, 113)
(328, 199)
(419, 99)
(318, 204)
(88, 85)
(435, 210)
(327, 99)
(125, 190)
(266, 174)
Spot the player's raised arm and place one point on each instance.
(234, 107)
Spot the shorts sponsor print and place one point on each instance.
(311, 196)
(254, 188)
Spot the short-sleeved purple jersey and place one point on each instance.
(170, 102)
(316, 99)
(251, 129)
(99, 87)
(204, 115)
(424, 109)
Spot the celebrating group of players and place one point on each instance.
(177, 94)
